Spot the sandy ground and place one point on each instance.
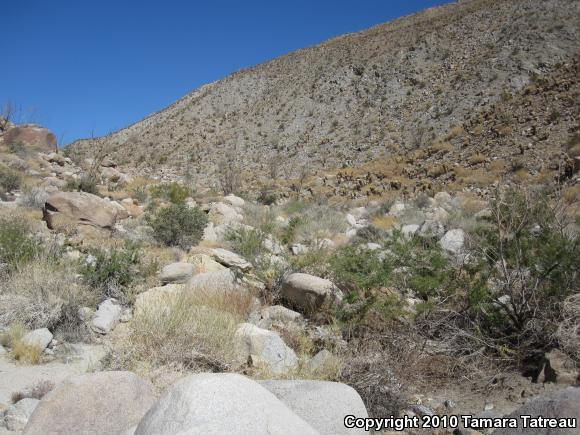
(17, 377)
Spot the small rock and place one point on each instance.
(409, 230)
(453, 241)
(234, 200)
(17, 415)
(106, 317)
(279, 313)
(309, 293)
(264, 348)
(177, 273)
(299, 249)
(230, 259)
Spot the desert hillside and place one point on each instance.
(379, 93)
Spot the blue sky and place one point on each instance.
(93, 66)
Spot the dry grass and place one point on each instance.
(572, 194)
(441, 146)
(194, 329)
(45, 294)
(385, 222)
(26, 353)
(37, 391)
(20, 351)
(476, 159)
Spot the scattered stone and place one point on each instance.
(299, 249)
(351, 220)
(177, 273)
(80, 208)
(409, 230)
(373, 246)
(264, 348)
(99, 403)
(231, 259)
(432, 228)
(17, 415)
(397, 209)
(309, 293)
(40, 338)
(323, 405)
(106, 317)
(221, 403)
(279, 313)
(453, 241)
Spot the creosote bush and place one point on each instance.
(112, 271)
(17, 244)
(172, 192)
(178, 225)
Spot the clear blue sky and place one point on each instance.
(82, 66)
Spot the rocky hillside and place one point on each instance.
(396, 87)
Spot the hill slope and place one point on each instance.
(377, 93)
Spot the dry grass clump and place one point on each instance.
(44, 294)
(476, 159)
(38, 391)
(20, 351)
(194, 328)
(441, 146)
(384, 222)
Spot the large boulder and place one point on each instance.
(31, 135)
(264, 349)
(231, 259)
(156, 296)
(323, 405)
(221, 213)
(213, 281)
(80, 208)
(309, 293)
(100, 403)
(220, 403)
(106, 317)
(562, 404)
(176, 273)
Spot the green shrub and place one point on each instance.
(9, 179)
(359, 269)
(178, 225)
(112, 271)
(173, 192)
(289, 233)
(85, 183)
(531, 265)
(249, 243)
(17, 245)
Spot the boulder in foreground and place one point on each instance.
(98, 404)
(220, 403)
(80, 208)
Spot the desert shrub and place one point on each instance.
(33, 197)
(319, 222)
(194, 329)
(249, 243)
(267, 197)
(178, 225)
(86, 183)
(359, 269)
(112, 271)
(172, 192)
(45, 294)
(9, 179)
(17, 244)
(531, 265)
